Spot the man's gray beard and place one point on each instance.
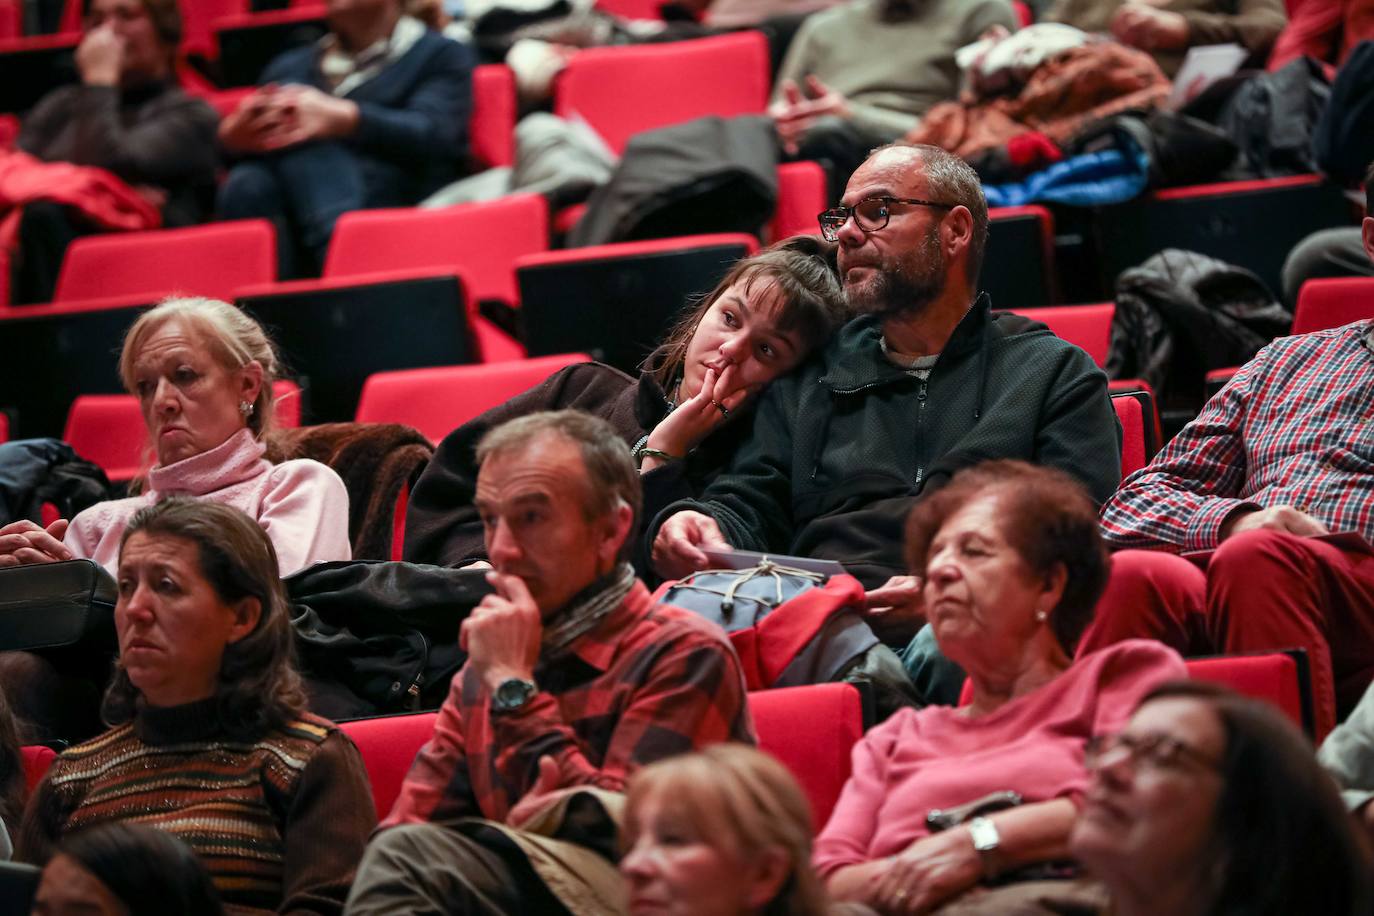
(894, 292)
(889, 294)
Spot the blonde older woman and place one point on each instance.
(202, 371)
(723, 832)
(1013, 565)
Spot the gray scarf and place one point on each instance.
(586, 611)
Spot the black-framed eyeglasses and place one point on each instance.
(1154, 750)
(870, 214)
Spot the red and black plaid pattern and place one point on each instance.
(649, 682)
(1295, 426)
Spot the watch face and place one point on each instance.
(512, 694)
(984, 833)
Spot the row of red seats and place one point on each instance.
(108, 428)
(728, 75)
(810, 729)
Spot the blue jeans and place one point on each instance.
(303, 191)
(938, 680)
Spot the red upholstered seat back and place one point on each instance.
(1086, 326)
(37, 759)
(438, 401)
(1133, 449)
(810, 729)
(1279, 678)
(491, 130)
(212, 260)
(480, 242)
(621, 91)
(388, 745)
(801, 196)
(1331, 303)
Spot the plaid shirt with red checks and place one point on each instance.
(1295, 426)
(648, 682)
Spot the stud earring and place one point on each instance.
(1041, 616)
(246, 409)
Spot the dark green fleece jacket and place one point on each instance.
(843, 447)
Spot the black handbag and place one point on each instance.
(53, 605)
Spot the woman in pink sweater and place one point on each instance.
(1013, 565)
(202, 371)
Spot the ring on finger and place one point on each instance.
(724, 411)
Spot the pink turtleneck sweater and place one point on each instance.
(301, 504)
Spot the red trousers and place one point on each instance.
(1263, 590)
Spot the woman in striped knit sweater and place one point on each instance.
(210, 739)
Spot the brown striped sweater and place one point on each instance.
(280, 823)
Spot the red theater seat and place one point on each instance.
(11, 20)
(108, 429)
(801, 195)
(810, 729)
(212, 260)
(491, 129)
(479, 241)
(37, 759)
(1331, 303)
(388, 745)
(631, 9)
(1132, 433)
(417, 267)
(1279, 678)
(1088, 327)
(438, 401)
(198, 19)
(621, 91)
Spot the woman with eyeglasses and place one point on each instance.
(1210, 803)
(974, 804)
(686, 413)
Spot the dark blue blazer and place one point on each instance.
(413, 116)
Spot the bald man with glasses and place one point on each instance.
(925, 381)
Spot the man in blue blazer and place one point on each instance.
(373, 115)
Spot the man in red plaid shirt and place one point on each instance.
(574, 679)
(1281, 459)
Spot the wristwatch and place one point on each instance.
(986, 841)
(512, 693)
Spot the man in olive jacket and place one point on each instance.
(925, 382)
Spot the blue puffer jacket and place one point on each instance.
(1087, 180)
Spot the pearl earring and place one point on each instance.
(246, 409)
(1041, 616)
